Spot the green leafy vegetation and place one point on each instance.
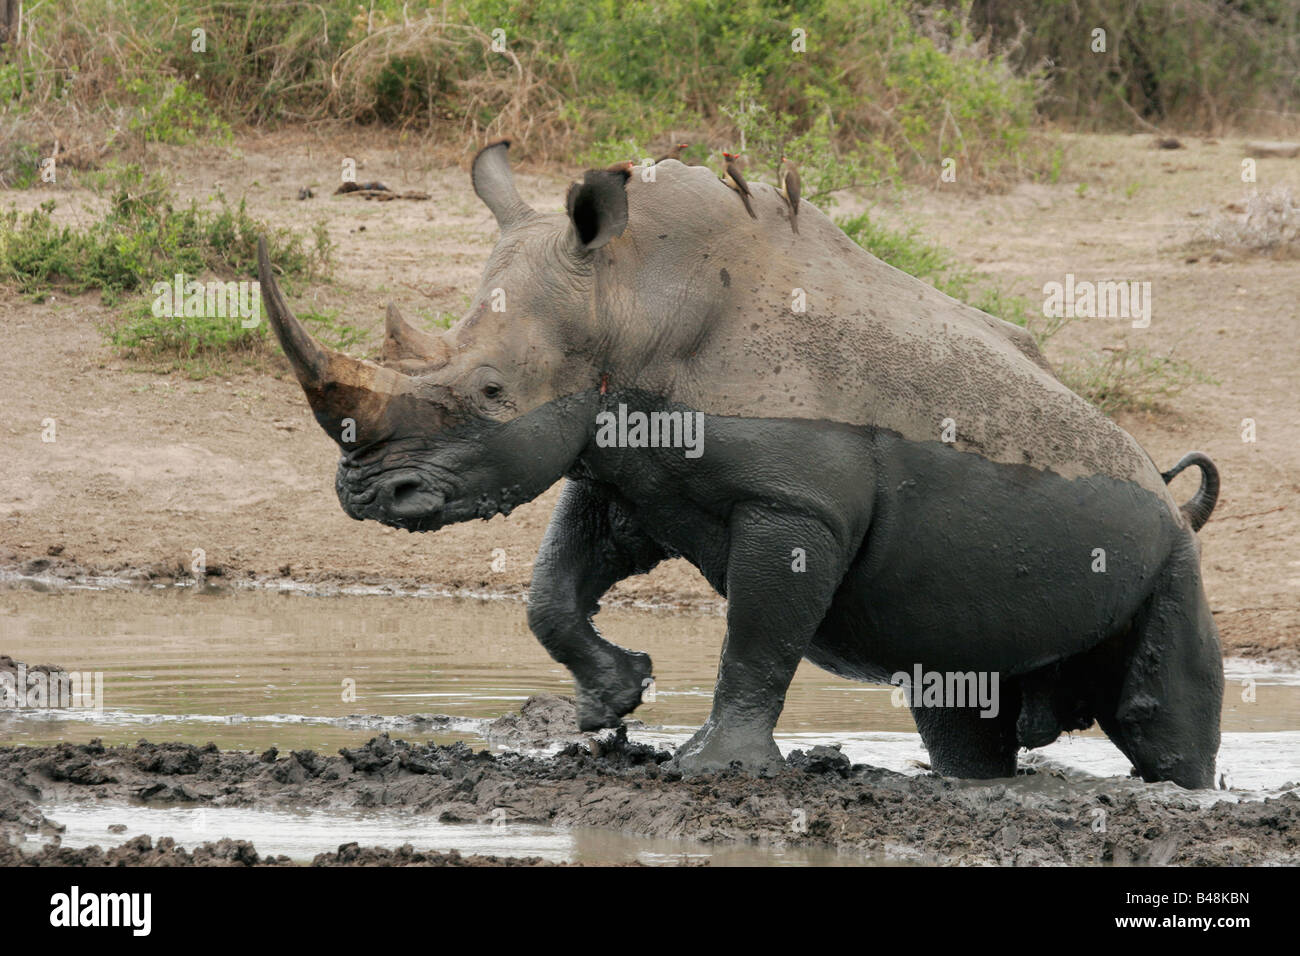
(911, 82)
(435, 319)
(144, 238)
(907, 85)
(170, 112)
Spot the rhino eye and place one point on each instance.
(485, 389)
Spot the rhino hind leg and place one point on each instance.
(963, 743)
(1166, 697)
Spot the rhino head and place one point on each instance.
(489, 414)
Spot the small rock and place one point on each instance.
(821, 759)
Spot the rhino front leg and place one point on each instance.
(591, 543)
(776, 599)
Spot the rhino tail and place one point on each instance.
(1201, 504)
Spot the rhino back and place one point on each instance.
(702, 298)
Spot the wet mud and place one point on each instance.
(142, 851)
(819, 800)
(11, 667)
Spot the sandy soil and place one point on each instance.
(146, 468)
(819, 800)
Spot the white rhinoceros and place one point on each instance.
(886, 483)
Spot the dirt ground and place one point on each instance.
(146, 467)
(818, 801)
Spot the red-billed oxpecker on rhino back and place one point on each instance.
(878, 478)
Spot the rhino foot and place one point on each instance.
(616, 691)
(713, 749)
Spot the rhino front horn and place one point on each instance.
(350, 397)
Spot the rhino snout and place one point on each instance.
(402, 499)
(406, 497)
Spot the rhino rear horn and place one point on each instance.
(495, 185)
(403, 342)
(597, 207)
(341, 389)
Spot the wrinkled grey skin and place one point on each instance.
(889, 478)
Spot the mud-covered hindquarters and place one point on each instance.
(820, 800)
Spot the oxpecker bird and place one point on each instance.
(788, 177)
(674, 153)
(733, 178)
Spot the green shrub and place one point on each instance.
(143, 236)
(889, 77)
(870, 74)
(170, 112)
(142, 239)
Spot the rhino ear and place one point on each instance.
(495, 185)
(598, 207)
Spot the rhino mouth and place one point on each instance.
(400, 499)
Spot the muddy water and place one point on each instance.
(253, 669)
(302, 835)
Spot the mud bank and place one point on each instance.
(44, 574)
(142, 851)
(818, 801)
(10, 668)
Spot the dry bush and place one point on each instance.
(457, 80)
(1267, 225)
